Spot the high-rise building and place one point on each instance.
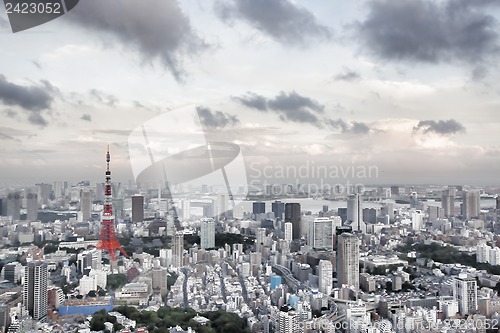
(465, 293)
(14, 205)
(417, 220)
(159, 280)
(470, 204)
(178, 249)
(355, 212)
(86, 205)
(348, 260)
(207, 234)
(388, 209)
(4, 318)
(321, 232)
(44, 193)
(448, 202)
(325, 274)
(137, 208)
(35, 290)
(31, 207)
(288, 321)
(259, 208)
(58, 190)
(292, 214)
(260, 239)
(278, 208)
(288, 231)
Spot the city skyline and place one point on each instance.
(420, 110)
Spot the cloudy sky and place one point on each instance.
(408, 86)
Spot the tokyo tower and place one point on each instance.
(107, 238)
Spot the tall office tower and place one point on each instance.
(44, 193)
(394, 190)
(86, 204)
(288, 320)
(292, 214)
(470, 204)
(321, 232)
(355, 212)
(448, 202)
(288, 231)
(107, 237)
(278, 208)
(4, 318)
(325, 277)
(137, 208)
(348, 260)
(178, 249)
(159, 280)
(388, 209)
(31, 207)
(260, 239)
(497, 206)
(465, 293)
(14, 205)
(118, 206)
(207, 234)
(99, 191)
(58, 190)
(35, 290)
(417, 220)
(435, 213)
(259, 208)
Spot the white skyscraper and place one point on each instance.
(207, 234)
(348, 260)
(321, 232)
(35, 290)
(288, 231)
(448, 202)
(178, 250)
(417, 220)
(325, 276)
(288, 321)
(355, 212)
(465, 293)
(86, 205)
(470, 204)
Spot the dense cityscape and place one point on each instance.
(115, 258)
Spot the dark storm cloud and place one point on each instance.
(86, 117)
(430, 31)
(293, 102)
(289, 106)
(216, 119)
(281, 19)
(253, 101)
(354, 127)
(442, 127)
(347, 75)
(156, 29)
(31, 98)
(104, 98)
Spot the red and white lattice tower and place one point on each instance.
(107, 238)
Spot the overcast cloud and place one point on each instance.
(430, 31)
(282, 20)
